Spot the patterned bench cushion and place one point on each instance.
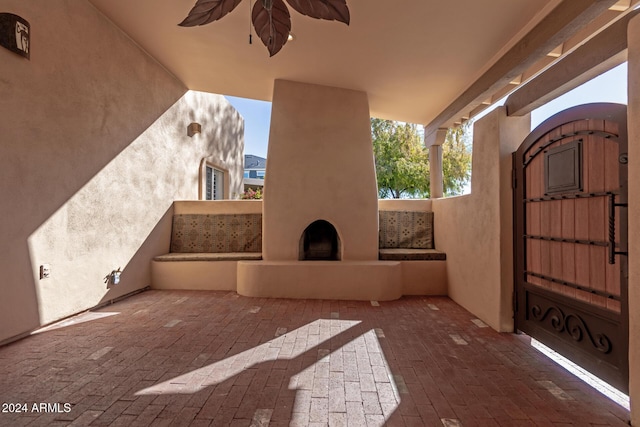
(201, 233)
(406, 230)
(412, 255)
(231, 256)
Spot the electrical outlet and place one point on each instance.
(45, 271)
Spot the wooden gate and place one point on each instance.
(570, 238)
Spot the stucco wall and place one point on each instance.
(476, 230)
(93, 150)
(404, 204)
(213, 207)
(634, 217)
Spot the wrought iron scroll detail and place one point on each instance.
(572, 324)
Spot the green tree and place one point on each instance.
(456, 160)
(402, 166)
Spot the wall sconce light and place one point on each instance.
(14, 34)
(194, 128)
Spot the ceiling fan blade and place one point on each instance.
(331, 10)
(273, 27)
(207, 11)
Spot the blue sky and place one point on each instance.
(608, 87)
(257, 116)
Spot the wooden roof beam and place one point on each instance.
(621, 5)
(601, 53)
(566, 19)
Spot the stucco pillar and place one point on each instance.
(633, 113)
(434, 143)
(476, 230)
(495, 138)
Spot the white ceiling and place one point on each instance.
(413, 57)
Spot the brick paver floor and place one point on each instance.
(215, 358)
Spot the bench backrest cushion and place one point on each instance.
(192, 233)
(406, 229)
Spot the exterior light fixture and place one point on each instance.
(15, 34)
(194, 128)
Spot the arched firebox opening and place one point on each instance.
(319, 242)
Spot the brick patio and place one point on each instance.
(215, 358)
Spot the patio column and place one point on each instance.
(434, 143)
(489, 277)
(633, 117)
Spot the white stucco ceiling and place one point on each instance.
(412, 57)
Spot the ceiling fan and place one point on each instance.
(271, 18)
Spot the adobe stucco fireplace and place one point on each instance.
(320, 210)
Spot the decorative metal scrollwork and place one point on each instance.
(572, 324)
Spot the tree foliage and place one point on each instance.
(456, 160)
(402, 166)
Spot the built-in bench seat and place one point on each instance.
(205, 249)
(230, 256)
(407, 236)
(402, 254)
(210, 241)
(215, 237)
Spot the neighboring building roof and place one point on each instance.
(253, 183)
(254, 162)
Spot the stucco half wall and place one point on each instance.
(93, 152)
(423, 205)
(202, 275)
(419, 277)
(476, 230)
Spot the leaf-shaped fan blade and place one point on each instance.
(323, 9)
(272, 28)
(207, 11)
